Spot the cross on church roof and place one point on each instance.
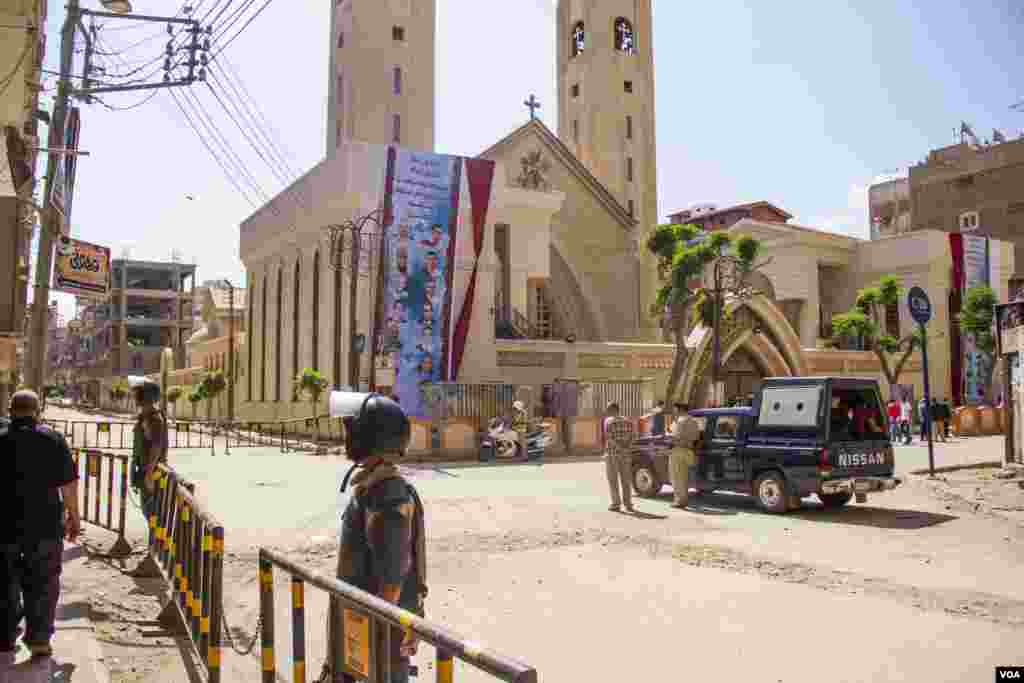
(532, 104)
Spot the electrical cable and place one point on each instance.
(209, 149)
(218, 136)
(232, 18)
(242, 30)
(249, 138)
(232, 77)
(138, 104)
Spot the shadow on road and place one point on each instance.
(813, 511)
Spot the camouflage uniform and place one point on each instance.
(149, 448)
(383, 543)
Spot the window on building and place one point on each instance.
(248, 339)
(629, 169)
(263, 343)
(396, 80)
(632, 208)
(892, 320)
(398, 33)
(341, 39)
(625, 39)
(337, 133)
(278, 328)
(296, 290)
(579, 39)
(575, 130)
(627, 86)
(337, 327)
(396, 129)
(629, 127)
(575, 90)
(316, 311)
(340, 94)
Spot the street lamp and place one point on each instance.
(352, 233)
(117, 6)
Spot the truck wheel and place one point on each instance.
(770, 490)
(645, 480)
(835, 500)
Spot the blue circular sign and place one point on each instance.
(920, 306)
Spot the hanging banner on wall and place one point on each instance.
(422, 194)
(977, 363)
(81, 268)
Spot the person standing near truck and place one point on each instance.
(685, 432)
(619, 436)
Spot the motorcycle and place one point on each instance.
(505, 441)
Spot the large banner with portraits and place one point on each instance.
(977, 363)
(422, 195)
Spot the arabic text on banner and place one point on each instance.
(81, 268)
(423, 193)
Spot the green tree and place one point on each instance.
(119, 390)
(309, 383)
(977, 318)
(173, 394)
(213, 385)
(867, 318)
(683, 254)
(197, 394)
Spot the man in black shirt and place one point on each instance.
(38, 508)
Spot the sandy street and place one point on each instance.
(526, 560)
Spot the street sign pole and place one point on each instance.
(921, 311)
(927, 400)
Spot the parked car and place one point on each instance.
(803, 435)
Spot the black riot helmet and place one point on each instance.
(374, 424)
(145, 390)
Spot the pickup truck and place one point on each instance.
(803, 435)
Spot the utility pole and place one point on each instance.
(51, 221)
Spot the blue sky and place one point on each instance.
(801, 104)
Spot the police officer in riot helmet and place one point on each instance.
(382, 545)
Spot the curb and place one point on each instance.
(987, 464)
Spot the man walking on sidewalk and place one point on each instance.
(619, 436)
(38, 508)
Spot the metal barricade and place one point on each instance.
(187, 545)
(369, 622)
(91, 490)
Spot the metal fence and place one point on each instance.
(95, 498)
(629, 396)
(362, 647)
(187, 545)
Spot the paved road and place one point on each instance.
(526, 559)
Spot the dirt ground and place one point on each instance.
(984, 490)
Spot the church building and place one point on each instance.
(558, 285)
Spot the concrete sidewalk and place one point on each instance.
(77, 656)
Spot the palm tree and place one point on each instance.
(309, 383)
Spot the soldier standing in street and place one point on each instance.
(382, 548)
(149, 447)
(38, 508)
(619, 436)
(685, 432)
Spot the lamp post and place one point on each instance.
(231, 351)
(352, 232)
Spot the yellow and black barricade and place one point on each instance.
(361, 629)
(95, 468)
(187, 545)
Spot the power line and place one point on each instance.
(273, 137)
(232, 18)
(218, 137)
(138, 104)
(227, 173)
(276, 166)
(241, 30)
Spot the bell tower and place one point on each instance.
(381, 77)
(606, 113)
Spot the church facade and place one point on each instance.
(564, 286)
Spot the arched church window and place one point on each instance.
(296, 290)
(315, 363)
(248, 337)
(278, 356)
(579, 39)
(625, 39)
